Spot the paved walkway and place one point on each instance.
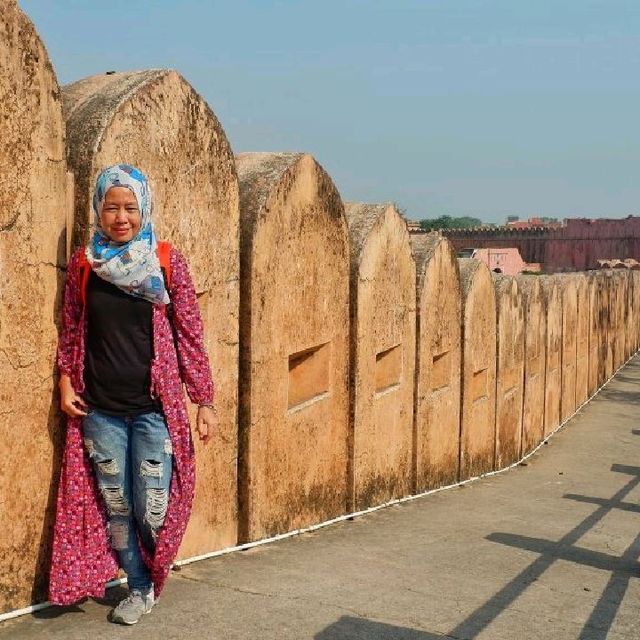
(546, 550)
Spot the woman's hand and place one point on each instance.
(206, 422)
(70, 402)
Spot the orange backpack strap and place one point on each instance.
(164, 254)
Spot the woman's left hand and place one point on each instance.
(206, 422)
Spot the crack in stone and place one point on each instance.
(42, 263)
(13, 365)
(11, 224)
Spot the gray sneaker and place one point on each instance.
(133, 607)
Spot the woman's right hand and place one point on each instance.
(70, 402)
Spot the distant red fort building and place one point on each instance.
(575, 245)
(507, 261)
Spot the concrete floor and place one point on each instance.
(547, 550)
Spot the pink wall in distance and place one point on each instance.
(577, 245)
(507, 261)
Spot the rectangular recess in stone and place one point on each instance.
(510, 381)
(479, 384)
(441, 370)
(388, 369)
(309, 375)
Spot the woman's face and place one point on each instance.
(120, 218)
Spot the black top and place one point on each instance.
(117, 371)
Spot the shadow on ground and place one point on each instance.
(363, 629)
(622, 568)
(110, 600)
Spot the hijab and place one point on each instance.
(134, 266)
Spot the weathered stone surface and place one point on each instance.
(605, 362)
(383, 325)
(438, 334)
(294, 405)
(478, 416)
(631, 324)
(621, 286)
(553, 382)
(569, 294)
(635, 308)
(618, 300)
(32, 250)
(608, 308)
(595, 375)
(155, 120)
(582, 339)
(535, 352)
(510, 370)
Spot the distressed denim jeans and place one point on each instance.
(132, 460)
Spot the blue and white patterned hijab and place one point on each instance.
(133, 266)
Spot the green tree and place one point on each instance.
(449, 222)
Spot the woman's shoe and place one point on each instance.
(133, 607)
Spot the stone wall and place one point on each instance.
(294, 345)
(553, 374)
(478, 413)
(438, 358)
(582, 339)
(595, 361)
(510, 370)
(569, 296)
(535, 358)
(383, 325)
(33, 213)
(353, 364)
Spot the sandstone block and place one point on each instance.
(510, 370)
(478, 416)
(569, 295)
(619, 286)
(595, 375)
(553, 382)
(535, 350)
(609, 321)
(383, 325)
(294, 403)
(630, 327)
(438, 359)
(32, 253)
(582, 338)
(635, 308)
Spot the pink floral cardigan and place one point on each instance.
(82, 559)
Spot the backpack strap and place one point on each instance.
(85, 273)
(164, 255)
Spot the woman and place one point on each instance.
(131, 336)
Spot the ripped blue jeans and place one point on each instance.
(132, 459)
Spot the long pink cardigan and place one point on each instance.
(82, 558)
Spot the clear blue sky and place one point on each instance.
(464, 107)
